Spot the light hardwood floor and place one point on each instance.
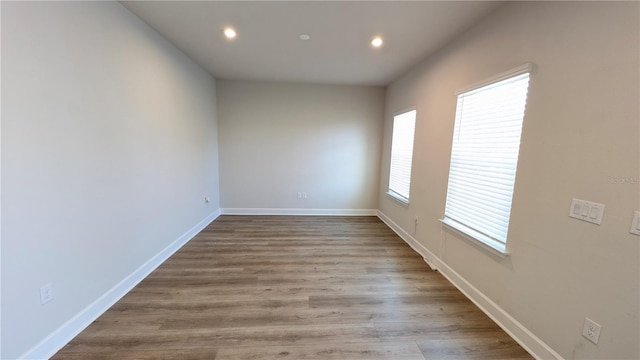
(283, 287)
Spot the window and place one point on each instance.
(484, 157)
(401, 155)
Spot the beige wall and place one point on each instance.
(278, 139)
(108, 149)
(581, 129)
(109, 145)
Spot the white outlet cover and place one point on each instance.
(46, 293)
(591, 330)
(635, 224)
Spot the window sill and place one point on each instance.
(398, 198)
(482, 241)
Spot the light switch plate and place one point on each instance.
(586, 211)
(635, 224)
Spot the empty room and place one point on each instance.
(320, 180)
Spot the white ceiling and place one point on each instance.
(268, 48)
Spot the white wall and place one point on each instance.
(581, 132)
(108, 149)
(277, 139)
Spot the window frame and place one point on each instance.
(390, 192)
(495, 246)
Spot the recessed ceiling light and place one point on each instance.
(304, 37)
(229, 33)
(376, 42)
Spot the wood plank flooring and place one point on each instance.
(283, 287)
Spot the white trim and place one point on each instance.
(410, 240)
(299, 212)
(524, 68)
(484, 242)
(70, 329)
(397, 197)
(406, 110)
(523, 336)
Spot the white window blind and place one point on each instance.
(484, 157)
(401, 155)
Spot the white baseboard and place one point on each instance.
(300, 212)
(531, 343)
(65, 333)
(428, 257)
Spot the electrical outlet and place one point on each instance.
(299, 194)
(46, 293)
(591, 330)
(304, 195)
